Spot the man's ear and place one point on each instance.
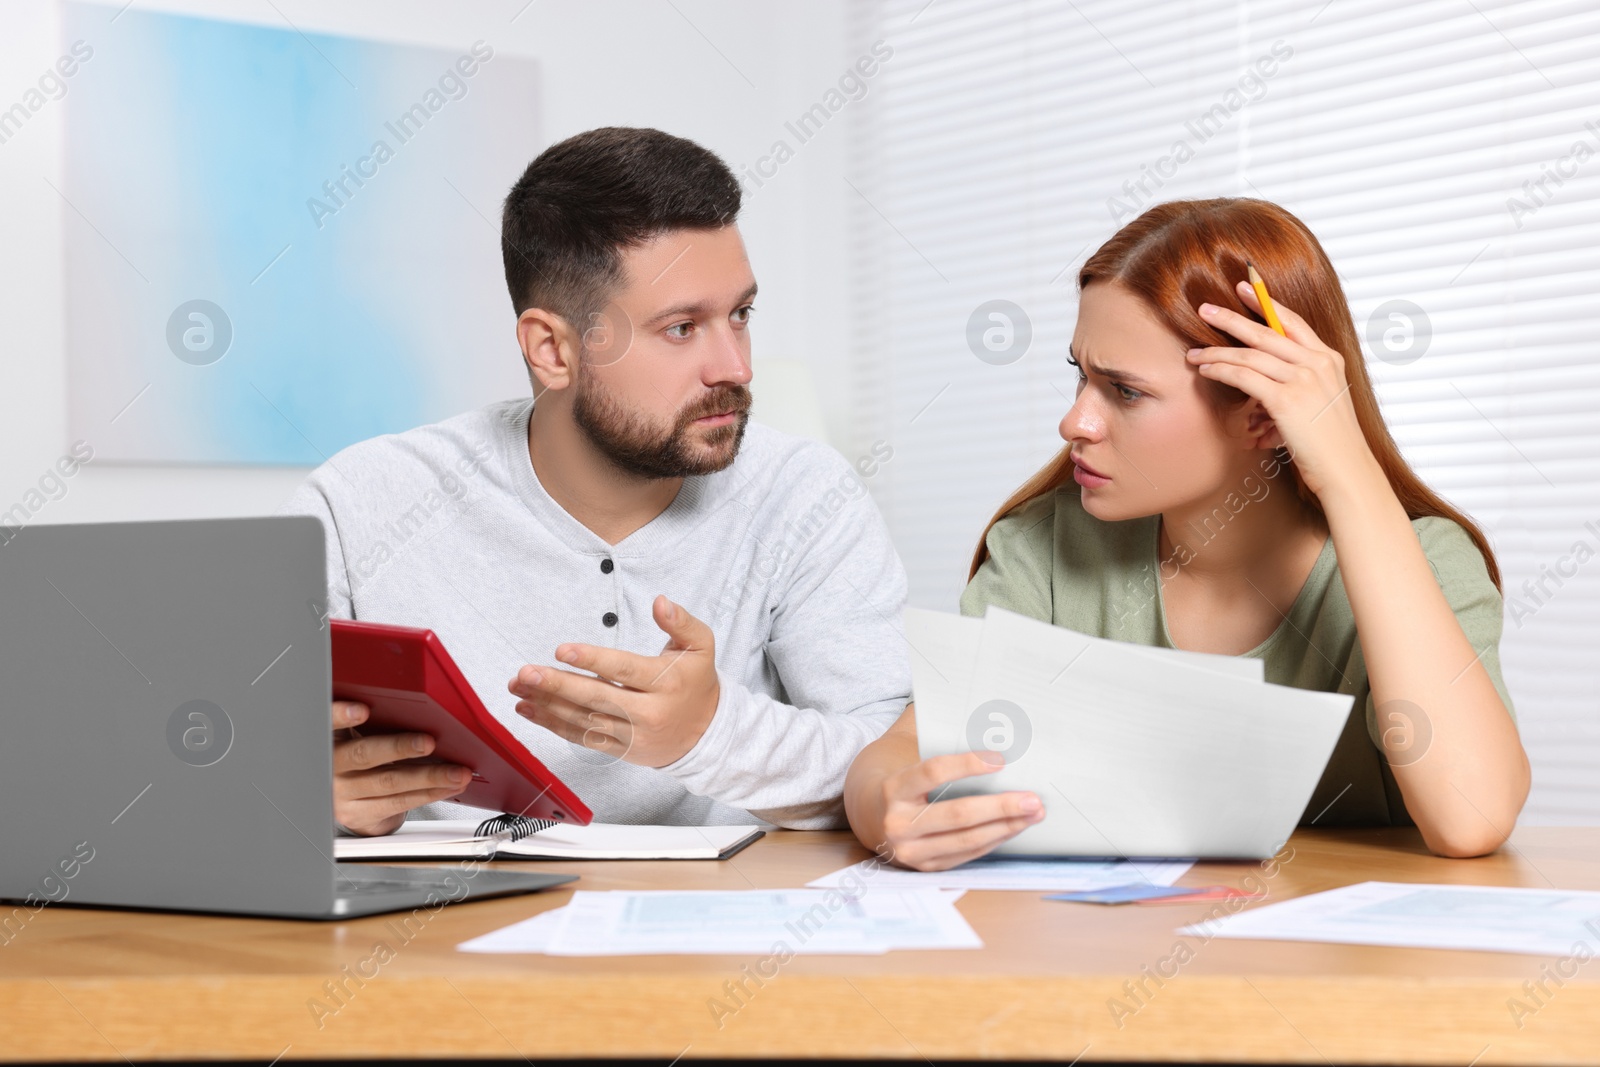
(549, 348)
(1259, 429)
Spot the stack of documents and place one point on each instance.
(449, 839)
(1135, 751)
(776, 922)
(1553, 922)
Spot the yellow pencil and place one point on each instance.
(1268, 312)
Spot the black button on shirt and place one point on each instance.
(606, 566)
(609, 618)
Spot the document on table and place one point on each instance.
(1008, 872)
(753, 921)
(1547, 922)
(1135, 751)
(529, 935)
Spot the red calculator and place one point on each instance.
(410, 683)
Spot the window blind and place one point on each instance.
(1447, 154)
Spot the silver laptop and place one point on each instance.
(164, 691)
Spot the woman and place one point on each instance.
(1228, 489)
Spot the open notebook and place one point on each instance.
(513, 837)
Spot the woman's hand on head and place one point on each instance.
(928, 834)
(1301, 384)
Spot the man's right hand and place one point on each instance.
(370, 794)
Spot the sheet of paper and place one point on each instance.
(1485, 918)
(996, 872)
(716, 922)
(529, 935)
(1134, 754)
(626, 841)
(944, 650)
(1248, 668)
(420, 838)
(944, 654)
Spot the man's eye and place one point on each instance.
(680, 330)
(742, 315)
(1082, 377)
(1126, 393)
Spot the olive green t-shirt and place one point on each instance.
(1053, 561)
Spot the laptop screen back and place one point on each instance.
(164, 700)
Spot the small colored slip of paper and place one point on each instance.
(1143, 893)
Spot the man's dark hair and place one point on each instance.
(584, 200)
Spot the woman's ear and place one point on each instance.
(1255, 426)
(548, 348)
(1264, 428)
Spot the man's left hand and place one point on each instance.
(648, 710)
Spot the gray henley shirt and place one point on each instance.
(783, 554)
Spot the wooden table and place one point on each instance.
(1055, 981)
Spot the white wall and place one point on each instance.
(726, 74)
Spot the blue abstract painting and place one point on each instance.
(282, 242)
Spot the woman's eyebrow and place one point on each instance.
(1109, 372)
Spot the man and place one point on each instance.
(722, 600)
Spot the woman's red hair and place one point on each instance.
(1183, 253)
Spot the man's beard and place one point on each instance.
(635, 447)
